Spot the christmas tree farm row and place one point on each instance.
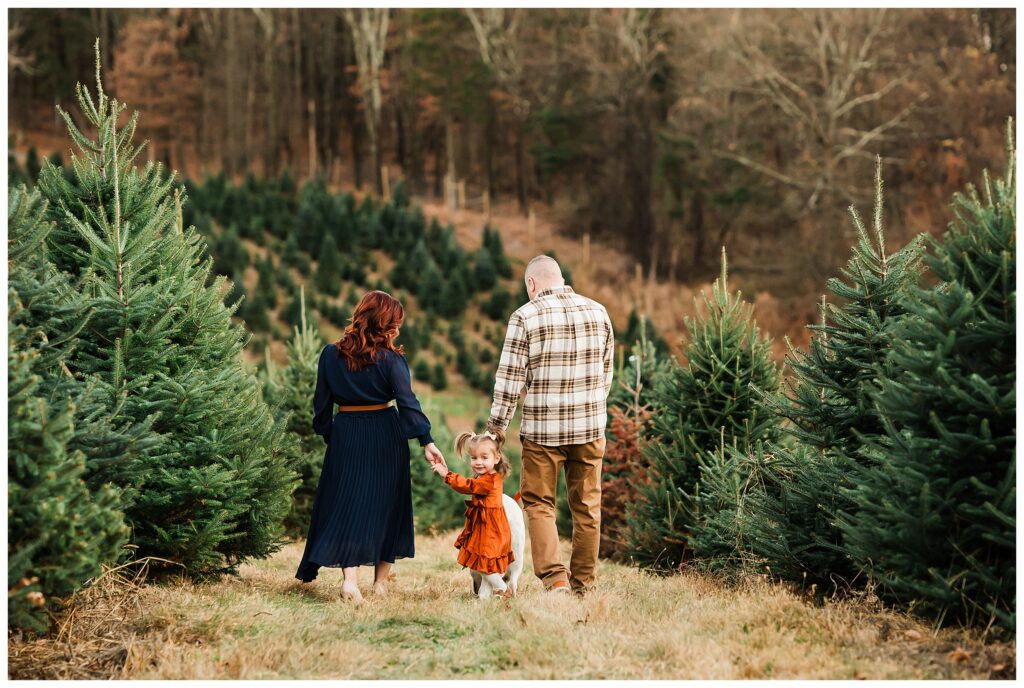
(885, 456)
(135, 429)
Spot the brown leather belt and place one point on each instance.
(368, 407)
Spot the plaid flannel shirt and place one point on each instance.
(562, 348)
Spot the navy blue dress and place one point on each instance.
(362, 511)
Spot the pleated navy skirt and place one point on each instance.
(362, 511)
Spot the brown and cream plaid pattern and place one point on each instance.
(562, 348)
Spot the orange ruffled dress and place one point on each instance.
(485, 544)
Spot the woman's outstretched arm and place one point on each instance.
(414, 422)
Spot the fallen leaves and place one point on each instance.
(959, 655)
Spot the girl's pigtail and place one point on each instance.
(460, 442)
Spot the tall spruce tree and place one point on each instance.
(693, 407)
(217, 488)
(290, 393)
(59, 532)
(791, 509)
(934, 514)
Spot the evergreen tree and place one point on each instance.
(286, 183)
(289, 392)
(59, 532)
(399, 195)
(696, 407)
(292, 311)
(634, 379)
(408, 265)
(632, 332)
(216, 489)
(16, 176)
(933, 512)
(485, 274)
(256, 311)
(283, 280)
(492, 242)
(32, 166)
(768, 511)
(421, 370)
(329, 265)
(830, 409)
(438, 377)
(429, 287)
(266, 284)
(229, 254)
(454, 294)
(235, 295)
(315, 210)
(499, 305)
(292, 256)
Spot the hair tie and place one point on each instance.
(491, 435)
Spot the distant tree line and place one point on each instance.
(668, 132)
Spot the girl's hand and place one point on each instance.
(440, 468)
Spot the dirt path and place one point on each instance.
(265, 624)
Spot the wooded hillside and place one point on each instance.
(666, 133)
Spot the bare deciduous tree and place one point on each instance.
(369, 33)
(822, 69)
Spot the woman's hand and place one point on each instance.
(433, 455)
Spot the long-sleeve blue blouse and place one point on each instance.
(386, 379)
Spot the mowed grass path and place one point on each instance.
(265, 624)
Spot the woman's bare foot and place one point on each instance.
(380, 588)
(351, 592)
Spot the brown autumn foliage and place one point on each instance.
(621, 469)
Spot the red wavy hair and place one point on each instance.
(370, 329)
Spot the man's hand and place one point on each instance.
(433, 455)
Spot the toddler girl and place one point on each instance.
(485, 544)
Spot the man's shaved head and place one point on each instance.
(542, 273)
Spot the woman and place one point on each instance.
(362, 511)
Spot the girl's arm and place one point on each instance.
(475, 486)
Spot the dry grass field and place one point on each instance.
(265, 624)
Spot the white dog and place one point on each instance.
(517, 525)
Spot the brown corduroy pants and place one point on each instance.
(539, 485)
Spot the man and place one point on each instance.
(561, 346)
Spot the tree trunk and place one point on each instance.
(295, 130)
(639, 161)
(520, 145)
(697, 229)
(439, 170)
(449, 167)
(357, 153)
(270, 158)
